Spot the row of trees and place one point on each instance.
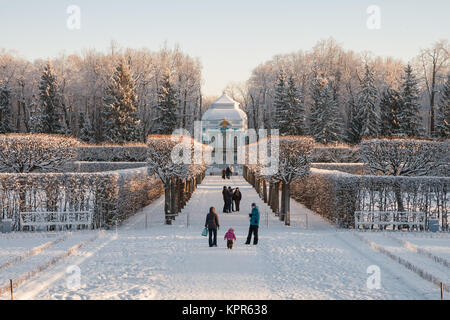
(180, 178)
(117, 97)
(293, 161)
(338, 95)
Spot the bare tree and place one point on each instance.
(434, 63)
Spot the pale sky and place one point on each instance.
(230, 37)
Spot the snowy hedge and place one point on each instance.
(112, 196)
(84, 166)
(405, 157)
(23, 153)
(353, 168)
(336, 154)
(138, 153)
(337, 195)
(113, 153)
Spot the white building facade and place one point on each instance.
(223, 125)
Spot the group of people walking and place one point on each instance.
(227, 173)
(213, 225)
(231, 199)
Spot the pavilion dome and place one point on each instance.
(225, 108)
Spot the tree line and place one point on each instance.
(336, 95)
(120, 96)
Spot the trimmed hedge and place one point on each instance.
(138, 153)
(82, 166)
(337, 195)
(113, 196)
(106, 153)
(336, 154)
(353, 168)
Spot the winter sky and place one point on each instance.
(230, 37)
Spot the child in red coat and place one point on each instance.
(230, 237)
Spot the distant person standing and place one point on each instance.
(231, 204)
(224, 194)
(212, 223)
(229, 172)
(228, 199)
(237, 197)
(224, 172)
(254, 225)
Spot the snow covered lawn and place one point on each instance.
(145, 259)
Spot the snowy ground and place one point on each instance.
(145, 259)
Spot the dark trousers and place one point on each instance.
(212, 237)
(228, 205)
(237, 202)
(253, 230)
(230, 244)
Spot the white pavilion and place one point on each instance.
(222, 124)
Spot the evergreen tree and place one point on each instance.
(443, 116)
(367, 121)
(390, 106)
(86, 131)
(295, 115)
(48, 118)
(5, 109)
(325, 123)
(409, 115)
(120, 121)
(354, 126)
(281, 118)
(166, 109)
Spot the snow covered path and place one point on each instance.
(147, 260)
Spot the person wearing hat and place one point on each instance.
(254, 225)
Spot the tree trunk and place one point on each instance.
(265, 191)
(277, 199)
(173, 205)
(167, 201)
(432, 95)
(283, 202)
(398, 197)
(287, 205)
(269, 202)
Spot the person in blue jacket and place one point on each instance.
(254, 225)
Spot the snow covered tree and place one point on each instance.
(325, 123)
(86, 131)
(49, 114)
(166, 108)
(443, 115)
(409, 115)
(295, 115)
(5, 109)
(367, 120)
(403, 157)
(390, 106)
(280, 105)
(119, 112)
(25, 153)
(353, 128)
